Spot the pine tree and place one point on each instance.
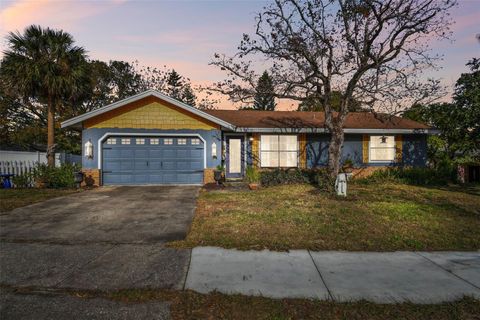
(188, 96)
(174, 85)
(264, 98)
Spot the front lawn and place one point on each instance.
(374, 217)
(15, 198)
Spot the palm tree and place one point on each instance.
(44, 66)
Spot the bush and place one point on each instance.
(415, 175)
(252, 175)
(316, 177)
(56, 177)
(288, 176)
(23, 180)
(324, 181)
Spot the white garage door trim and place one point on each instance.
(106, 135)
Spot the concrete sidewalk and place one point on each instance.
(419, 277)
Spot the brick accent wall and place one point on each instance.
(93, 175)
(365, 171)
(208, 176)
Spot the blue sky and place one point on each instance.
(185, 34)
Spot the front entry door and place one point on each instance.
(235, 157)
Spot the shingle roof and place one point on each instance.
(304, 119)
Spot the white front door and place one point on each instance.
(235, 155)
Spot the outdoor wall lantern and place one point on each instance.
(89, 149)
(214, 150)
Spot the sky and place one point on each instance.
(184, 35)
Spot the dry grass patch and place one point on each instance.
(374, 218)
(190, 305)
(15, 198)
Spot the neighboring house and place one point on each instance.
(150, 138)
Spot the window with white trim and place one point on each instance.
(168, 141)
(111, 141)
(195, 141)
(181, 141)
(278, 151)
(382, 148)
(154, 141)
(139, 141)
(125, 140)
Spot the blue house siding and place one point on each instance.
(317, 149)
(414, 150)
(94, 134)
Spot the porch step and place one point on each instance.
(238, 183)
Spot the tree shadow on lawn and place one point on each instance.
(468, 188)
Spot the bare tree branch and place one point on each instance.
(373, 51)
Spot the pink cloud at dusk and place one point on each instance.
(57, 14)
(184, 35)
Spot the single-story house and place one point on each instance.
(151, 138)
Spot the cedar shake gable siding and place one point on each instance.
(149, 113)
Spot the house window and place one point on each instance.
(154, 141)
(111, 141)
(139, 141)
(382, 148)
(168, 141)
(195, 141)
(125, 141)
(279, 151)
(182, 141)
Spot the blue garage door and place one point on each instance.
(152, 160)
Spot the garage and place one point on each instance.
(136, 160)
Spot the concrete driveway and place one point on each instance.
(106, 239)
(147, 214)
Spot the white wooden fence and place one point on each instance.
(17, 167)
(19, 162)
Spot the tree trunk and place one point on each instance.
(51, 132)
(335, 150)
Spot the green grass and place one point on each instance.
(15, 198)
(373, 217)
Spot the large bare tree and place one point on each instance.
(371, 51)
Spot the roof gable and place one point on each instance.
(150, 113)
(77, 121)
